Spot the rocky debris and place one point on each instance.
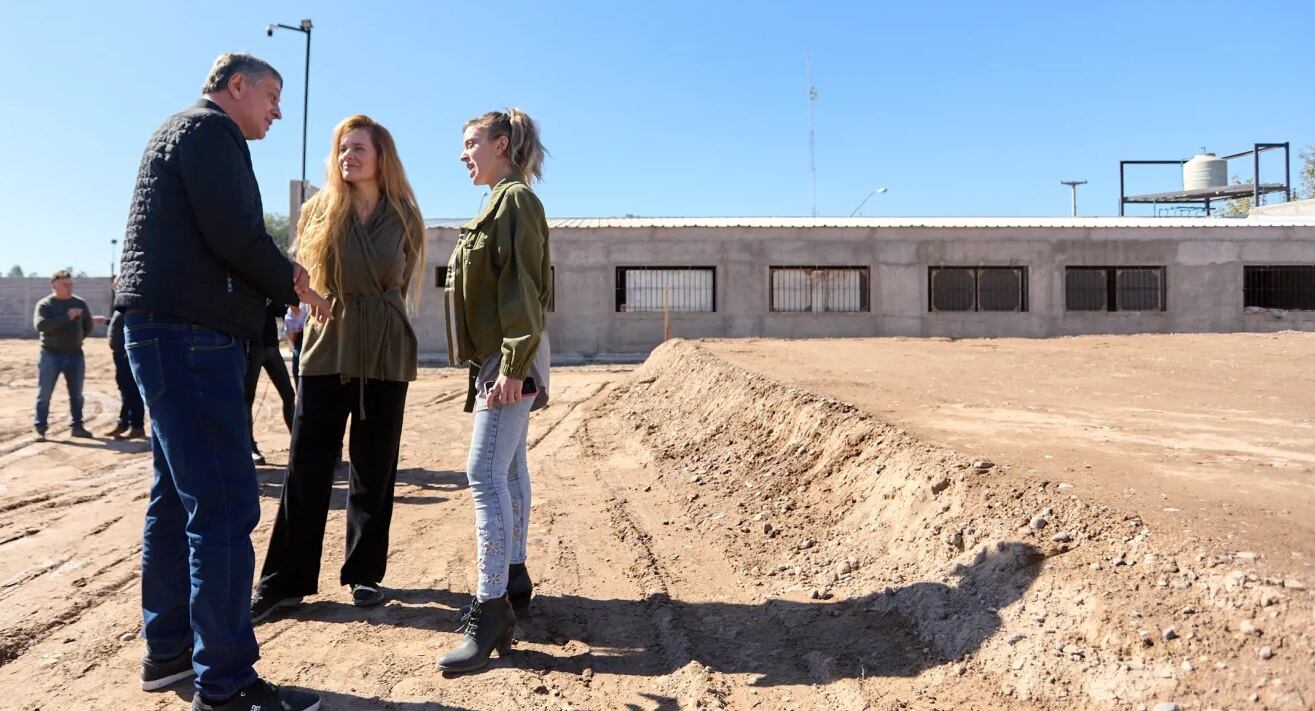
(1165, 706)
(1249, 628)
(982, 465)
(1265, 653)
(1169, 634)
(1062, 538)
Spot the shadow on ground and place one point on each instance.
(897, 632)
(271, 481)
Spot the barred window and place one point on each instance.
(1114, 289)
(977, 289)
(1279, 287)
(814, 289)
(691, 289)
(440, 281)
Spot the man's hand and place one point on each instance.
(300, 278)
(99, 320)
(505, 391)
(74, 313)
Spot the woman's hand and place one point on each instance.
(505, 391)
(319, 306)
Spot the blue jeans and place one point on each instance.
(131, 412)
(499, 478)
(49, 367)
(197, 559)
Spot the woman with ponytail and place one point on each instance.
(498, 291)
(361, 239)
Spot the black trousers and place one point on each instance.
(132, 413)
(324, 403)
(271, 360)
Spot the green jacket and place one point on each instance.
(499, 282)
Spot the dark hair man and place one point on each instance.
(62, 320)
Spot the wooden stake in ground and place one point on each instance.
(666, 314)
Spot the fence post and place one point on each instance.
(666, 315)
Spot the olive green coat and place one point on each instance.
(370, 336)
(499, 282)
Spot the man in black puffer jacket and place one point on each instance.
(197, 268)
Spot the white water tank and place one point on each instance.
(1205, 171)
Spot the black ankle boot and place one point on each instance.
(519, 591)
(488, 626)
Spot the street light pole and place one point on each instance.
(114, 254)
(304, 28)
(1074, 185)
(865, 200)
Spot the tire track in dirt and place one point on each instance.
(94, 588)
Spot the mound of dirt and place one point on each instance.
(921, 561)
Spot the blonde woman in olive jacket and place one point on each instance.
(499, 287)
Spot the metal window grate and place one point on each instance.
(1114, 288)
(1086, 289)
(1279, 287)
(819, 289)
(977, 289)
(688, 289)
(1139, 289)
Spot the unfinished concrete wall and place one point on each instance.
(1203, 273)
(19, 297)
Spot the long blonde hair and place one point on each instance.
(525, 152)
(326, 219)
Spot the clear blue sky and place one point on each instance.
(665, 108)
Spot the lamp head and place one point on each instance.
(306, 25)
(269, 30)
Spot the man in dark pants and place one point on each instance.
(264, 353)
(132, 411)
(197, 269)
(63, 321)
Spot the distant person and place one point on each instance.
(362, 238)
(499, 287)
(197, 268)
(294, 323)
(132, 411)
(264, 353)
(63, 321)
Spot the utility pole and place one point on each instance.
(812, 160)
(1073, 184)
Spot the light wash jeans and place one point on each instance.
(499, 479)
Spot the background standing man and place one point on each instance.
(197, 269)
(63, 321)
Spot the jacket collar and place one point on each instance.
(495, 197)
(204, 103)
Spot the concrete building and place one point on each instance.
(952, 277)
(805, 277)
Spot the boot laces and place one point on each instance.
(470, 621)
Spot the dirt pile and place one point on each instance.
(916, 560)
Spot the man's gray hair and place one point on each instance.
(230, 64)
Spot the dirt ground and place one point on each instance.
(763, 525)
